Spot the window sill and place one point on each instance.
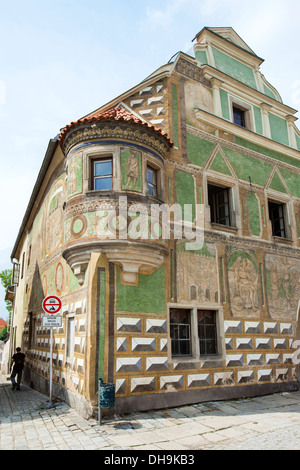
(286, 241)
(100, 192)
(226, 228)
(201, 359)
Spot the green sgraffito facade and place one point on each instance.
(279, 130)
(220, 165)
(131, 170)
(234, 68)
(277, 184)
(254, 216)
(147, 297)
(198, 150)
(186, 194)
(75, 176)
(245, 166)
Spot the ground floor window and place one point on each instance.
(195, 333)
(180, 328)
(207, 332)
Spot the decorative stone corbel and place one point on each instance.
(133, 257)
(78, 260)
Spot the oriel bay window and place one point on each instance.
(196, 333)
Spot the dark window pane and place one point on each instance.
(276, 214)
(180, 330)
(151, 180)
(207, 332)
(239, 117)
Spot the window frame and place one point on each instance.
(247, 110)
(232, 205)
(155, 172)
(70, 339)
(241, 113)
(93, 177)
(195, 355)
(284, 204)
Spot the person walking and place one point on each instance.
(17, 366)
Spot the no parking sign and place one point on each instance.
(52, 304)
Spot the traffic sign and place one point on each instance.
(52, 304)
(54, 321)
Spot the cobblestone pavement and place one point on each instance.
(268, 422)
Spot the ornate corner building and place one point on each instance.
(168, 321)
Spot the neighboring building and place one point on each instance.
(169, 321)
(3, 324)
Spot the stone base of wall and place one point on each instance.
(172, 399)
(74, 400)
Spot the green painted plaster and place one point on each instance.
(201, 56)
(292, 181)
(279, 130)
(253, 210)
(250, 256)
(234, 68)
(277, 184)
(245, 166)
(175, 115)
(269, 92)
(147, 297)
(185, 192)
(270, 153)
(198, 150)
(220, 165)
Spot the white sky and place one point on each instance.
(61, 59)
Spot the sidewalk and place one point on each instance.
(269, 422)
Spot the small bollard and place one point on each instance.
(106, 397)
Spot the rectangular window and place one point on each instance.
(29, 256)
(70, 337)
(23, 262)
(276, 214)
(239, 116)
(152, 181)
(219, 202)
(180, 330)
(102, 174)
(207, 332)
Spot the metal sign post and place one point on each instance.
(51, 305)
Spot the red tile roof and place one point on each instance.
(2, 323)
(116, 114)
